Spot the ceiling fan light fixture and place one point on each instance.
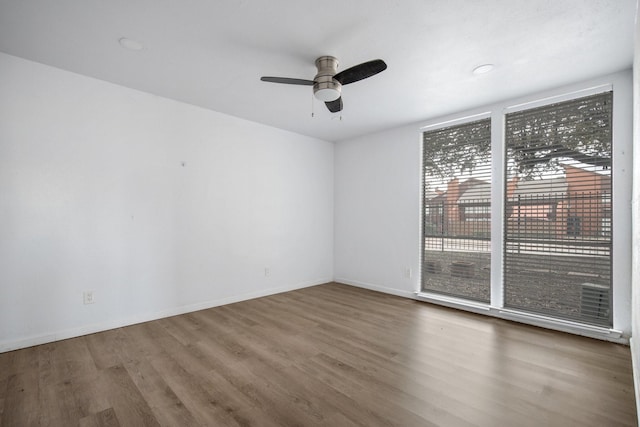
(325, 87)
(327, 91)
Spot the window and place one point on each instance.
(557, 214)
(557, 246)
(456, 210)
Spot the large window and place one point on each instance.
(457, 210)
(556, 218)
(557, 251)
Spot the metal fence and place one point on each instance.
(571, 221)
(557, 256)
(557, 253)
(457, 226)
(457, 245)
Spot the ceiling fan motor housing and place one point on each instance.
(325, 88)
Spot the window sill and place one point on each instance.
(575, 328)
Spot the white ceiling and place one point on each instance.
(211, 53)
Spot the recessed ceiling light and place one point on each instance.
(130, 44)
(482, 69)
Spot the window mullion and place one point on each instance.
(497, 207)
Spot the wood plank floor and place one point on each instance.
(329, 355)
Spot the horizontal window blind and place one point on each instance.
(456, 214)
(557, 218)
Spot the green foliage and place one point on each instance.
(453, 151)
(537, 140)
(577, 131)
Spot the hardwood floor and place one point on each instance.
(328, 355)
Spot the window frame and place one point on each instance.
(620, 83)
(549, 253)
(426, 212)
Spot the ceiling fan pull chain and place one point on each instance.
(312, 111)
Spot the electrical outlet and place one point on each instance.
(267, 272)
(88, 297)
(407, 272)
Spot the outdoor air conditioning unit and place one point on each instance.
(594, 301)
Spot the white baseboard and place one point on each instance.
(635, 362)
(371, 287)
(146, 317)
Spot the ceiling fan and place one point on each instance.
(327, 84)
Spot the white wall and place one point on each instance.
(377, 211)
(94, 196)
(377, 201)
(635, 274)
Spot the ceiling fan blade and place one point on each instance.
(287, 80)
(334, 106)
(361, 71)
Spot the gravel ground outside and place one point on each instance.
(556, 291)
